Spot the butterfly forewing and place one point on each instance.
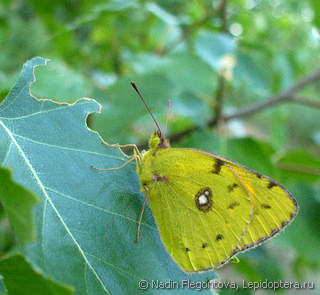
(201, 207)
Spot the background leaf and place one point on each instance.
(213, 47)
(18, 203)
(21, 279)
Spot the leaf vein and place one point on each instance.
(98, 208)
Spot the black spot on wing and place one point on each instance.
(265, 206)
(204, 245)
(187, 250)
(217, 166)
(271, 184)
(233, 205)
(259, 175)
(219, 237)
(231, 187)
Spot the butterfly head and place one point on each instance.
(158, 141)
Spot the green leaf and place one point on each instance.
(18, 203)
(211, 47)
(306, 222)
(190, 73)
(316, 11)
(299, 165)
(283, 72)
(162, 14)
(87, 220)
(115, 5)
(21, 279)
(249, 71)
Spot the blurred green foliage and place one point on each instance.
(179, 50)
(23, 280)
(18, 203)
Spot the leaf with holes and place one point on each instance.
(86, 222)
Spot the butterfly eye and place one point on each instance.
(158, 133)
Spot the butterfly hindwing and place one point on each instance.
(274, 207)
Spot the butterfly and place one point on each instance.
(207, 207)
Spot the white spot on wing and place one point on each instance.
(203, 199)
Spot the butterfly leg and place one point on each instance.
(136, 156)
(120, 146)
(142, 210)
(115, 168)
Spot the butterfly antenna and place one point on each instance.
(154, 119)
(165, 129)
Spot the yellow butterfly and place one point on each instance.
(207, 207)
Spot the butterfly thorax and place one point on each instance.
(145, 166)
